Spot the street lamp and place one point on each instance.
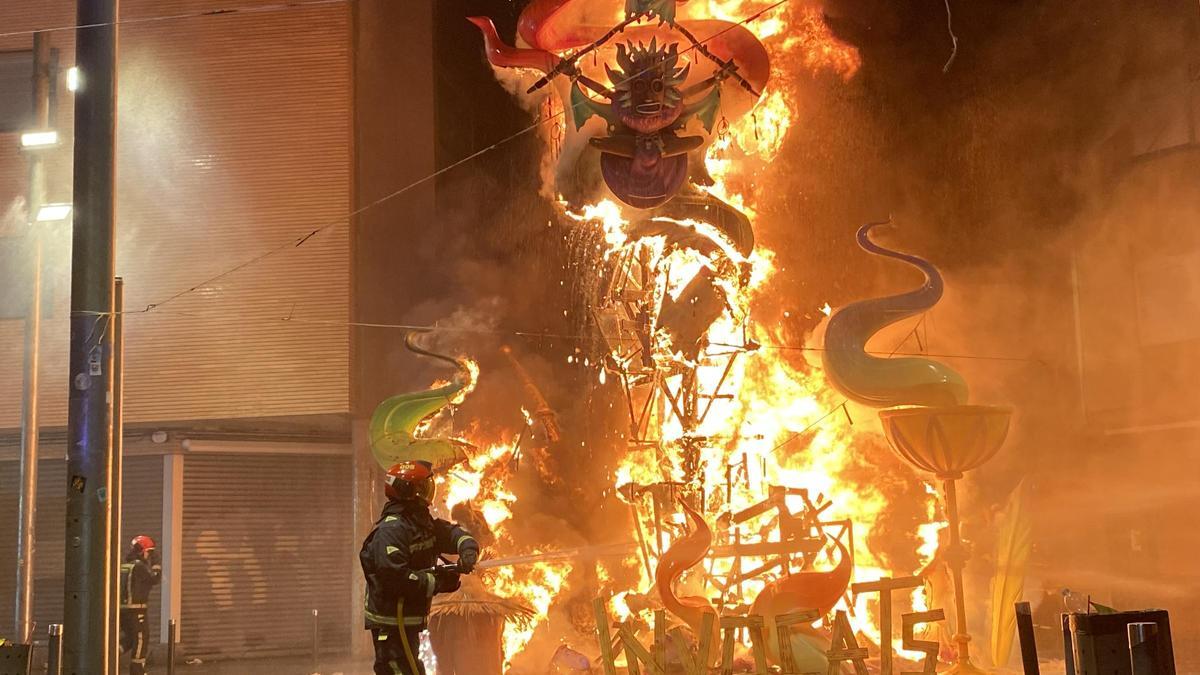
(41, 137)
(52, 213)
(32, 140)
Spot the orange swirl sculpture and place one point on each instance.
(945, 436)
(818, 591)
(687, 552)
(805, 590)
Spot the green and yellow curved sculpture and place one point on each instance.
(394, 423)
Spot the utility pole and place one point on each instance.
(89, 419)
(33, 321)
(118, 449)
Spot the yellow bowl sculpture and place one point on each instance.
(946, 441)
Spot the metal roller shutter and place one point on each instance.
(233, 138)
(49, 544)
(266, 540)
(141, 513)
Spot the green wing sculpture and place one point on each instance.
(394, 423)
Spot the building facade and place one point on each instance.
(234, 139)
(1137, 299)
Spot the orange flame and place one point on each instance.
(773, 400)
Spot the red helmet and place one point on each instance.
(142, 544)
(410, 480)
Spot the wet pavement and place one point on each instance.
(272, 666)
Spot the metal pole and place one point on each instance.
(316, 653)
(957, 561)
(118, 447)
(172, 638)
(54, 658)
(26, 522)
(89, 419)
(1143, 648)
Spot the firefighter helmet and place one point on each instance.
(142, 544)
(410, 480)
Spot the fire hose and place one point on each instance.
(567, 555)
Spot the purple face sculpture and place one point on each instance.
(643, 162)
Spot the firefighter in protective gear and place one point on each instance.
(397, 557)
(140, 573)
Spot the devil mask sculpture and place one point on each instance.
(669, 82)
(643, 159)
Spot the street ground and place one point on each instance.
(302, 666)
(335, 665)
(273, 666)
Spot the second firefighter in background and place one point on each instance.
(399, 560)
(140, 573)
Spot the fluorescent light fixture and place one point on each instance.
(72, 78)
(50, 213)
(39, 139)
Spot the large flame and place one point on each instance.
(774, 426)
(481, 483)
(774, 399)
(749, 434)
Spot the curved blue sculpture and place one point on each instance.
(884, 382)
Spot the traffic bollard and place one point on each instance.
(172, 639)
(316, 637)
(54, 658)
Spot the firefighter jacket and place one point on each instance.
(396, 557)
(138, 578)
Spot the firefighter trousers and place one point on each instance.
(398, 651)
(135, 639)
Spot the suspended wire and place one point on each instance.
(814, 423)
(300, 241)
(228, 11)
(535, 334)
(333, 323)
(895, 350)
(910, 333)
(973, 357)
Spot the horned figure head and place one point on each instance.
(647, 86)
